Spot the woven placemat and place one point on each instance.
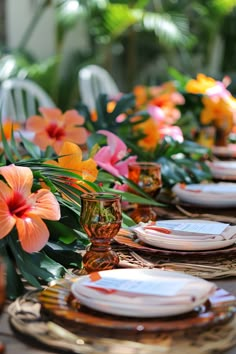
(209, 268)
(26, 318)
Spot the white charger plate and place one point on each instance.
(181, 244)
(223, 194)
(199, 289)
(225, 170)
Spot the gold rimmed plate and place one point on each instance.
(58, 302)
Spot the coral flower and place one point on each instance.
(25, 210)
(71, 159)
(112, 158)
(53, 128)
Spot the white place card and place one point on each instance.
(161, 287)
(212, 228)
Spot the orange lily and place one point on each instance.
(152, 136)
(220, 112)
(71, 159)
(8, 126)
(54, 127)
(25, 210)
(200, 85)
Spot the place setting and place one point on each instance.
(194, 246)
(223, 170)
(206, 195)
(96, 312)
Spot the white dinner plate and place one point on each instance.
(214, 195)
(225, 151)
(192, 292)
(185, 242)
(225, 170)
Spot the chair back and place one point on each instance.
(21, 98)
(93, 81)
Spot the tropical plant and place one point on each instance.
(110, 23)
(182, 161)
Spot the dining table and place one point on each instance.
(17, 337)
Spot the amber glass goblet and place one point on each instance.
(2, 294)
(147, 175)
(101, 218)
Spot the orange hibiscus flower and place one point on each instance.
(25, 210)
(54, 127)
(71, 159)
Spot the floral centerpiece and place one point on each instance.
(43, 172)
(209, 112)
(53, 157)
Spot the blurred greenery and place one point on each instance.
(140, 39)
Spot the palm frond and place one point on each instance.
(170, 28)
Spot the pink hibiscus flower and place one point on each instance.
(112, 157)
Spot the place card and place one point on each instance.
(212, 228)
(161, 286)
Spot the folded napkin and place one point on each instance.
(189, 291)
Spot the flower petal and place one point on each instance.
(77, 135)
(33, 233)
(45, 205)
(35, 123)
(7, 221)
(72, 117)
(122, 166)
(73, 155)
(19, 178)
(43, 140)
(117, 146)
(51, 113)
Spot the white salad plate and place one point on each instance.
(225, 170)
(142, 292)
(214, 195)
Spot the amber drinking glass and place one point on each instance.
(101, 218)
(2, 294)
(147, 175)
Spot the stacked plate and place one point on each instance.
(187, 235)
(214, 195)
(228, 151)
(225, 170)
(142, 292)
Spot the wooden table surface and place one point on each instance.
(17, 344)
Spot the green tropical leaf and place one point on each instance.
(67, 258)
(31, 148)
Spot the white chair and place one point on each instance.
(21, 98)
(95, 80)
